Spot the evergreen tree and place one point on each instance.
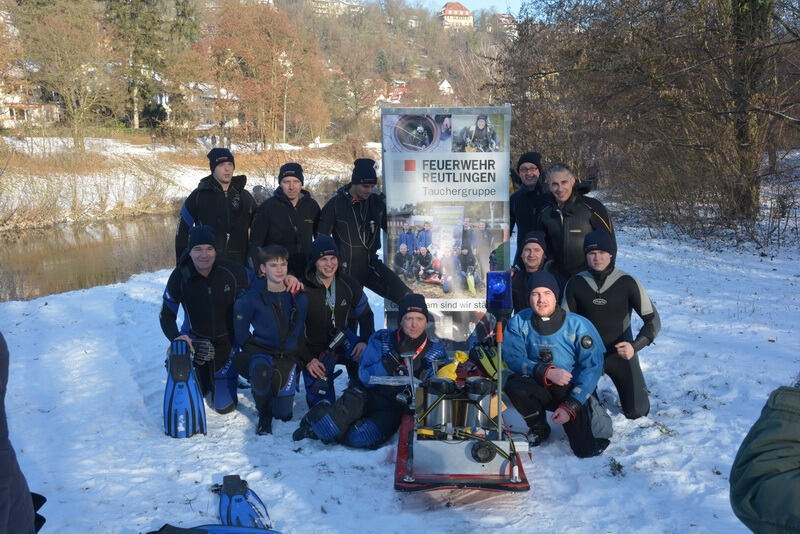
(140, 40)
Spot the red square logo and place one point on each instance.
(410, 165)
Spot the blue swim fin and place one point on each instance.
(184, 409)
(239, 505)
(212, 529)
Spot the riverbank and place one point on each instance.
(44, 183)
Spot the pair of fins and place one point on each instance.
(241, 511)
(184, 408)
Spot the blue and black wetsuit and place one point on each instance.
(208, 307)
(269, 355)
(366, 415)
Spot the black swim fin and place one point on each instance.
(239, 505)
(38, 502)
(212, 529)
(184, 409)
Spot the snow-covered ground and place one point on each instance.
(87, 379)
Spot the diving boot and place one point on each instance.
(303, 431)
(264, 425)
(538, 434)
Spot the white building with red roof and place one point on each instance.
(455, 15)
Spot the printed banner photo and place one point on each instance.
(446, 179)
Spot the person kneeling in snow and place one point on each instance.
(206, 286)
(270, 355)
(557, 358)
(366, 415)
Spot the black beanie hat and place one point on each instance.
(599, 240)
(323, 245)
(535, 236)
(530, 157)
(542, 279)
(291, 169)
(202, 235)
(219, 155)
(364, 172)
(414, 302)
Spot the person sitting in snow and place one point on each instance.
(269, 355)
(206, 285)
(366, 415)
(557, 359)
(403, 262)
(423, 264)
(606, 296)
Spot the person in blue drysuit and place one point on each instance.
(367, 414)
(270, 354)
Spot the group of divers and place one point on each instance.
(275, 291)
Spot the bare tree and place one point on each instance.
(65, 53)
(674, 99)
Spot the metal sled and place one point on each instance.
(440, 450)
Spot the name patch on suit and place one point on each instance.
(599, 302)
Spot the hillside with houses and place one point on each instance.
(176, 66)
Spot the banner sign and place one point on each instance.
(446, 178)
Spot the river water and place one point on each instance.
(77, 256)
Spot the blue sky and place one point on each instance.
(500, 6)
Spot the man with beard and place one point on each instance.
(529, 198)
(557, 359)
(606, 296)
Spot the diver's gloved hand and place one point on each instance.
(203, 351)
(393, 364)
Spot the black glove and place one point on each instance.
(393, 364)
(203, 351)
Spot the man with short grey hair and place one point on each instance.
(567, 220)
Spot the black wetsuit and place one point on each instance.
(278, 222)
(607, 299)
(351, 311)
(402, 264)
(227, 212)
(523, 206)
(356, 226)
(423, 265)
(565, 229)
(208, 306)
